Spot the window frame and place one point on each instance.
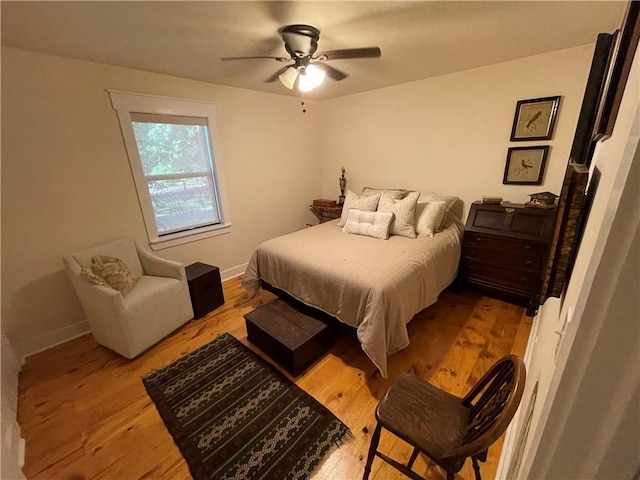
(126, 103)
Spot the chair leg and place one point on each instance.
(476, 468)
(373, 447)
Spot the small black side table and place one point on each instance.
(205, 288)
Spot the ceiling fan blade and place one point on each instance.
(276, 75)
(279, 59)
(332, 72)
(367, 52)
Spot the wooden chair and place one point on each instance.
(444, 427)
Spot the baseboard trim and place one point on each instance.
(51, 339)
(233, 272)
(509, 446)
(62, 335)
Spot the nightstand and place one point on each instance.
(325, 214)
(205, 288)
(505, 248)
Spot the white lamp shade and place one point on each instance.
(311, 78)
(288, 77)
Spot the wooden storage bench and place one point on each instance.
(289, 333)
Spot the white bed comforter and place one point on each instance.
(374, 285)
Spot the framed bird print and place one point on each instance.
(535, 119)
(525, 165)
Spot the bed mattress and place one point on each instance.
(376, 286)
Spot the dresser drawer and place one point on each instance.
(514, 278)
(525, 261)
(479, 242)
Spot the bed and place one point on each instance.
(374, 285)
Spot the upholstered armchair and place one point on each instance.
(154, 303)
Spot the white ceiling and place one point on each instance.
(418, 39)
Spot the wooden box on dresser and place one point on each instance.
(505, 248)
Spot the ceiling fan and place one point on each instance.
(307, 67)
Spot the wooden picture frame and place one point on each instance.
(583, 145)
(619, 65)
(534, 119)
(525, 165)
(595, 122)
(570, 220)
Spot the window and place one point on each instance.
(171, 148)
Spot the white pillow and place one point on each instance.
(449, 201)
(396, 193)
(353, 200)
(429, 217)
(371, 224)
(404, 213)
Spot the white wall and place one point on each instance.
(66, 182)
(450, 134)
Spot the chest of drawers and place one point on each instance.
(504, 250)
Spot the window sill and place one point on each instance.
(188, 237)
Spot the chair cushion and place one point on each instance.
(428, 418)
(149, 287)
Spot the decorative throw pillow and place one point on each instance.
(114, 272)
(429, 217)
(404, 212)
(449, 201)
(353, 200)
(92, 277)
(396, 193)
(371, 224)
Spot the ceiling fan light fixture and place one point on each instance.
(310, 78)
(288, 77)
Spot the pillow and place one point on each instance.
(429, 217)
(404, 212)
(371, 224)
(396, 193)
(449, 201)
(113, 273)
(353, 200)
(92, 277)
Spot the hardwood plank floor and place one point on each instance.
(85, 414)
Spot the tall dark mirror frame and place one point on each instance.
(612, 58)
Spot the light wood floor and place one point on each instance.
(85, 414)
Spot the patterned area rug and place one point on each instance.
(235, 416)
